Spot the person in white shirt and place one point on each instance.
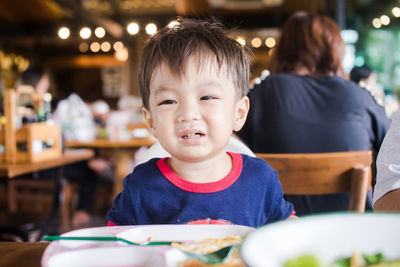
(386, 195)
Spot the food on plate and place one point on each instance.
(361, 260)
(355, 260)
(209, 245)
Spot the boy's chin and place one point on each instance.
(196, 156)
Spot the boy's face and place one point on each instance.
(193, 115)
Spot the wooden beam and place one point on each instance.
(82, 61)
(192, 7)
(39, 11)
(290, 6)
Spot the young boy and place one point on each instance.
(193, 81)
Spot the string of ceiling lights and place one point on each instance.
(121, 52)
(384, 20)
(133, 28)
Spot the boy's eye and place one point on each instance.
(167, 102)
(207, 97)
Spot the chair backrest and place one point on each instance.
(29, 195)
(325, 173)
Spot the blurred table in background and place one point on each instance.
(123, 152)
(11, 170)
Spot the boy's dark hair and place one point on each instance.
(175, 45)
(358, 73)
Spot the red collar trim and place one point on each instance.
(237, 164)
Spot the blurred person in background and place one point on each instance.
(37, 78)
(366, 78)
(33, 99)
(307, 105)
(77, 119)
(31, 89)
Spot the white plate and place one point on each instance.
(328, 237)
(97, 231)
(97, 253)
(108, 256)
(176, 232)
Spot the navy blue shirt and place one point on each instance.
(250, 194)
(300, 114)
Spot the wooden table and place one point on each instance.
(121, 151)
(11, 170)
(21, 253)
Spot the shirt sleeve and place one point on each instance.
(280, 208)
(122, 212)
(388, 161)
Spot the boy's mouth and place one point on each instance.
(192, 135)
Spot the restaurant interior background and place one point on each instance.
(103, 65)
(91, 47)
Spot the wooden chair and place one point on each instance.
(30, 195)
(30, 204)
(325, 173)
(70, 189)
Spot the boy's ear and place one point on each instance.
(149, 120)
(241, 110)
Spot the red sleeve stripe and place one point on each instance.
(110, 223)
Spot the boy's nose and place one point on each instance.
(188, 112)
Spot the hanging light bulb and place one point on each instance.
(151, 29)
(100, 32)
(270, 42)
(256, 42)
(132, 28)
(85, 33)
(63, 33)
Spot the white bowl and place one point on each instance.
(185, 232)
(326, 236)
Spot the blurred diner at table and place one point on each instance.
(33, 101)
(366, 78)
(308, 105)
(110, 133)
